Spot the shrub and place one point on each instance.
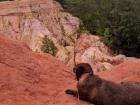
(48, 46)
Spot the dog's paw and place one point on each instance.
(68, 91)
(71, 92)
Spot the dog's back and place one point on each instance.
(102, 92)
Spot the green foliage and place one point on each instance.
(48, 46)
(116, 21)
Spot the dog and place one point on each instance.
(98, 91)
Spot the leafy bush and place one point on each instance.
(116, 21)
(48, 46)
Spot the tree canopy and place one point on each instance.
(116, 21)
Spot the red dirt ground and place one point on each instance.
(127, 71)
(29, 78)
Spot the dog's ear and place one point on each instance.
(76, 67)
(88, 68)
(79, 72)
(85, 66)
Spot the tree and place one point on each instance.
(116, 21)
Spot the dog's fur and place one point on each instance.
(102, 92)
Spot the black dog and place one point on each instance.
(102, 92)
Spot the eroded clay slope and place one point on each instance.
(28, 78)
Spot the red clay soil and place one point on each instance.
(29, 78)
(127, 71)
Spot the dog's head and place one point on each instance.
(81, 69)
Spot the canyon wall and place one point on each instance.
(29, 21)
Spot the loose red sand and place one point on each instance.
(28, 78)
